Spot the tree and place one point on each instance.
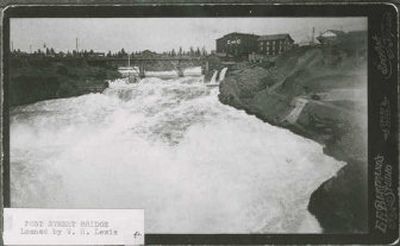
(191, 52)
(173, 53)
(123, 53)
(203, 51)
(180, 51)
(198, 51)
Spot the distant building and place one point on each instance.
(95, 54)
(148, 53)
(99, 53)
(330, 36)
(276, 44)
(237, 44)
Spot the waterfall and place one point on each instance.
(222, 74)
(169, 146)
(214, 77)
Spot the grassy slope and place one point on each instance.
(269, 91)
(33, 80)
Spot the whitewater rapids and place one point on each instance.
(170, 147)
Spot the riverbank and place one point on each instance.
(35, 79)
(318, 92)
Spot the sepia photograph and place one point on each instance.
(212, 125)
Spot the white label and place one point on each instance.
(26, 226)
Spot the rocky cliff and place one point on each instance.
(318, 92)
(32, 79)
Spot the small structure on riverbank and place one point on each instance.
(330, 36)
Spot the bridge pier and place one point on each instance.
(205, 68)
(141, 71)
(179, 71)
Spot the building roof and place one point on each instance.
(335, 32)
(237, 33)
(275, 37)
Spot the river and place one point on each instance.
(168, 146)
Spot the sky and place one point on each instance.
(160, 34)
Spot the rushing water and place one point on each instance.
(170, 147)
(222, 74)
(214, 77)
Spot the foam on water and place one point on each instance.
(170, 147)
(192, 71)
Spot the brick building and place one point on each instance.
(241, 44)
(276, 44)
(237, 44)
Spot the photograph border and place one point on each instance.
(383, 78)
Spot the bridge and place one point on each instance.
(177, 63)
